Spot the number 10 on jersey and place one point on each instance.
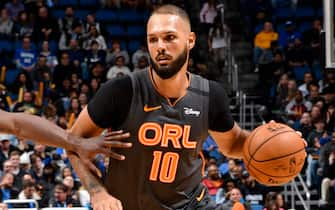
(164, 166)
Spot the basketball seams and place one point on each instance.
(267, 140)
(254, 167)
(249, 143)
(276, 158)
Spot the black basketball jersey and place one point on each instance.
(163, 167)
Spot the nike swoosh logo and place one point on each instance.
(146, 108)
(201, 196)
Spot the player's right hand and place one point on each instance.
(103, 201)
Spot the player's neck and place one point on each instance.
(173, 87)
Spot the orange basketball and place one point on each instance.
(274, 154)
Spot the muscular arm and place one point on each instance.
(231, 142)
(37, 129)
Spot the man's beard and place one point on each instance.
(168, 71)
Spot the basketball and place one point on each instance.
(274, 154)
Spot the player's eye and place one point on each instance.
(170, 37)
(152, 39)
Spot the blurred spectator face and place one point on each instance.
(8, 166)
(73, 44)
(278, 58)
(69, 12)
(8, 180)
(231, 164)
(27, 97)
(26, 43)
(280, 200)
(83, 99)
(45, 46)
(60, 194)
(98, 70)
(283, 81)
(4, 14)
(320, 104)
(119, 61)
(94, 84)
(315, 112)
(319, 125)
(213, 172)
(65, 59)
(306, 119)
(298, 96)
(260, 15)
(29, 191)
(314, 91)
(235, 195)
(15, 159)
(38, 164)
(143, 62)
(43, 12)
(67, 172)
(39, 148)
(95, 47)
(74, 103)
(27, 178)
(90, 19)
(317, 25)
(84, 88)
(268, 27)
(292, 84)
(22, 78)
(5, 144)
(42, 61)
(23, 17)
(69, 182)
(93, 31)
(116, 46)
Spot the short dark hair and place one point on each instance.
(172, 10)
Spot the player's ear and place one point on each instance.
(191, 40)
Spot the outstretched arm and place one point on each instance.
(37, 129)
(100, 199)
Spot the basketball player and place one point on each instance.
(168, 112)
(42, 131)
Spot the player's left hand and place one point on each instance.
(87, 148)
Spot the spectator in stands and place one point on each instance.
(91, 21)
(290, 30)
(116, 51)
(27, 105)
(140, 52)
(297, 58)
(328, 182)
(213, 180)
(304, 125)
(76, 33)
(98, 72)
(263, 42)
(23, 81)
(217, 41)
(143, 64)
(279, 92)
(47, 27)
(326, 149)
(316, 113)
(212, 150)
(63, 70)
(50, 56)
(36, 167)
(23, 26)
(14, 7)
(71, 192)
(66, 23)
(253, 191)
(119, 69)
(308, 78)
(29, 192)
(95, 84)
(313, 150)
(47, 182)
(6, 148)
(292, 3)
(235, 201)
(276, 198)
(96, 36)
(40, 70)
(330, 118)
(94, 54)
(313, 89)
(6, 24)
(297, 106)
(77, 55)
(207, 14)
(25, 164)
(327, 80)
(60, 198)
(312, 39)
(26, 57)
(7, 167)
(7, 191)
(14, 157)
